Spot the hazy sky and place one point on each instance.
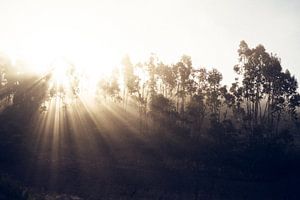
(100, 32)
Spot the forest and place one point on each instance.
(151, 130)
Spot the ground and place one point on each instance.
(101, 152)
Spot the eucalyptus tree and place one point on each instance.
(196, 108)
(228, 101)
(283, 99)
(145, 88)
(196, 113)
(162, 111)
(130, 80)
(151, 67)
(183, 70)
(110, 87)
(167, 78)
(147, 82)
(213, 94)
(266, 91)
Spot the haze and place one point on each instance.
(99, 33)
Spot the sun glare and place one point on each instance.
(60, 73)
(71, 58)
(45, 49)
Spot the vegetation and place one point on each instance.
(260, 106)
(164, 118)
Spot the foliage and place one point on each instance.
(246, 129)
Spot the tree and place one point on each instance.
(183, 70)
(196, 112)
(266, 91)
(130, 80)
(167, 79)
(213, 94)
(110, 86)
(162, 111)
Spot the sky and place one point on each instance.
(99, 33)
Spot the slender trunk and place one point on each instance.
(177, 103)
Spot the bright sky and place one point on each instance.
(100, 32)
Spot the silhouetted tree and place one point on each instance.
(183, 70)
(266, 91)
(168, 79)
(109, 87)
(213, 94)
(162, 111)
(129, 78)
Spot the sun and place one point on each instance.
(69, 80)
(63, 79)
(74, 60)
(47, 44)
(60, 72)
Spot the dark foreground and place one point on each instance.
(73, 152)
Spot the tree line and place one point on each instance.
(260, 104)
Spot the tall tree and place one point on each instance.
(183, 71)
(266, 91)
(130, 80)
(213, 94)
(167, 78)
